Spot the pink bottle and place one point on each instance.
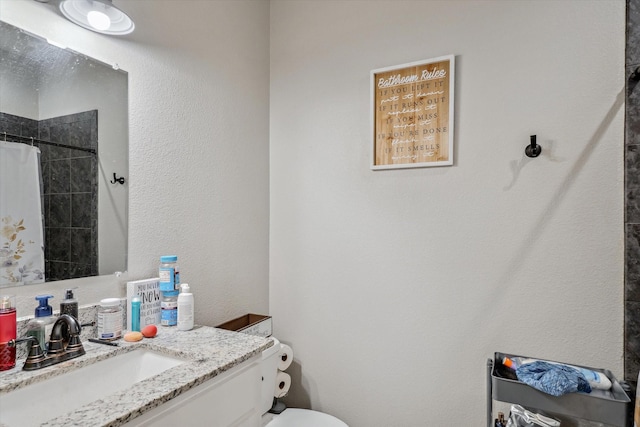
(7, 332)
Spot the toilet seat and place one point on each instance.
(294, 417)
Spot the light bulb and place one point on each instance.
(97, 15)
(98, 20)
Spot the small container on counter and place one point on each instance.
(110, 319)
(169, 307)
(169, 273)
(8, 330)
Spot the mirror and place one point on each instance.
(63, 204)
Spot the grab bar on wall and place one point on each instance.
(32, 140)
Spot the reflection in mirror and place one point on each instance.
(63, 162)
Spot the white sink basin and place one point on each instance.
(34, 404)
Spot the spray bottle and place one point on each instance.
(8, 330)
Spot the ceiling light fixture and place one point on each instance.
(100, 16)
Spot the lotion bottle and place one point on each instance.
(69, 305)
(185, 308)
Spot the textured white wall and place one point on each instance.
(198, 143)
(394, 287)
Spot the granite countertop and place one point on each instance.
(207, 352)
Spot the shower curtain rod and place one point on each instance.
(32, 140)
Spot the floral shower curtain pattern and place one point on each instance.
(21, 226)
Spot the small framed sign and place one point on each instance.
(412, 114)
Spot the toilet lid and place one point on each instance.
(293, 417)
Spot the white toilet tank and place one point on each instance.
(269, 371)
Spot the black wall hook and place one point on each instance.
(533, 149)
(118, 180)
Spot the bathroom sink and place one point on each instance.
(52, 397)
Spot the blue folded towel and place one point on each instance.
(552, 378)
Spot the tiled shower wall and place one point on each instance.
(632, 196)
(70, 190)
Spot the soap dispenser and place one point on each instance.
(69, 305)
(40, 327)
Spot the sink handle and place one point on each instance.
(36, 355)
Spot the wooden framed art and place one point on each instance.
(412, 114)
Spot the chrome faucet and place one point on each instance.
(64, 344)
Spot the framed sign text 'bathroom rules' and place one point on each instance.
(412, 114)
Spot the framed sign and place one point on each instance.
(412, 114)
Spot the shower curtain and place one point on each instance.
(21, 226)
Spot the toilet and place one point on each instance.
(290, 417)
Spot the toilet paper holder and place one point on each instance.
(277, 407)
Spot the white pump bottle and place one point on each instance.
(185, 308)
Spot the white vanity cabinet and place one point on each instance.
(230, 399)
